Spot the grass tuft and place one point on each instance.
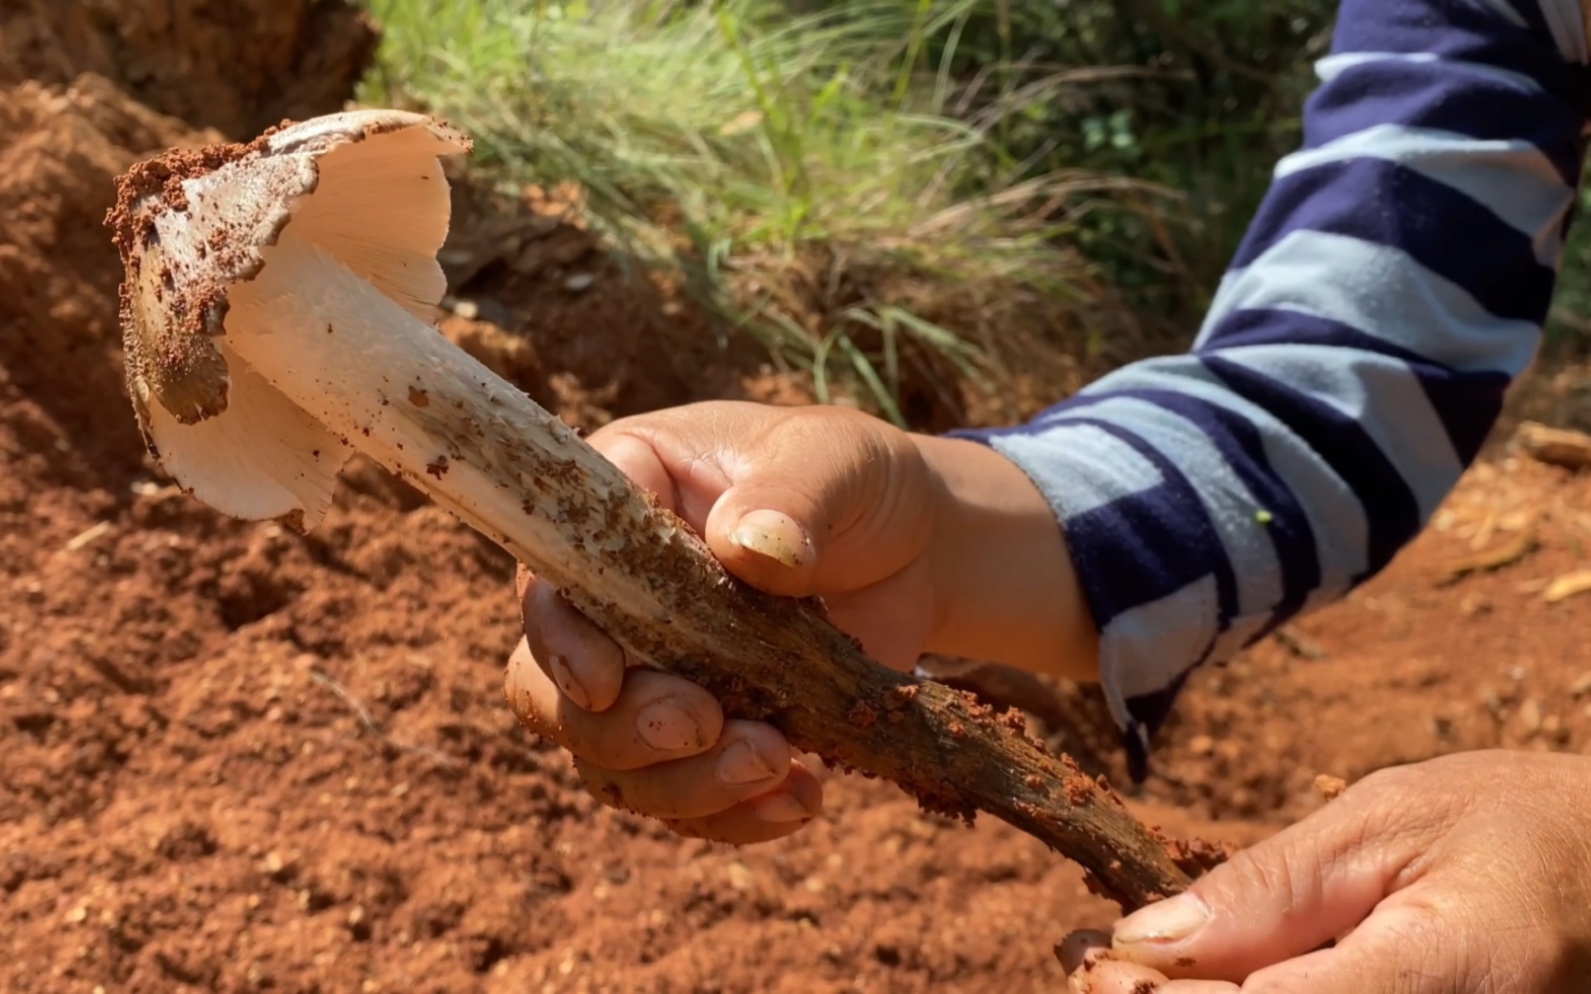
(810, 177)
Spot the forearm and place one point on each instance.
(1005, 587)
(1393, 283)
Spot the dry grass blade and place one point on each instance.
(727, 147)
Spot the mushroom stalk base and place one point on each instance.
(408, 398)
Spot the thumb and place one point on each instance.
(823, 505)
(1288, 895)
(1407, 942)
(798, 502)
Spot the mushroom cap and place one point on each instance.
(191, 223)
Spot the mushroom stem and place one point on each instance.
(395, 388)
(391, 386)
(275, 317)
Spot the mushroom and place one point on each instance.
(278, 316)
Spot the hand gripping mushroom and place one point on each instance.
(278, 315)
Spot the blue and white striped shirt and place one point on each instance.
(1393, 284)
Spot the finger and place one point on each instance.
(775, 815)
(585, 664)
(656, 718)
(1092, 968)
(1099, 973)
(1077, 948)
(638, 459)
(771, 492)
(1293, 892)
(822, 504)
(750, 759)
(1406, 948)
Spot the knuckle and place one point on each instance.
(534, 715)
(1274, 870)
(551, 722)
(537, 607)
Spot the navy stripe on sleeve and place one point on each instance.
(1443, 97)
(1461, 31)
(1345, 445)
(1242, 446)
(1387, 204)
(1468, 403)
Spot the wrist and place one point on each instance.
(1005, 588)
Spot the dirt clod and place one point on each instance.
(1329, 787)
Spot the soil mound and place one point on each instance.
(236, 65)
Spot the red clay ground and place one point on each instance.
(241, 760)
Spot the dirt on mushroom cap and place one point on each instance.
(175, 362)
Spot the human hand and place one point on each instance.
(1462, 875)
(913, 543)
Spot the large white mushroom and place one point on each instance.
(278, 315)
(208, 361)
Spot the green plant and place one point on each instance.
(1203, 98)
(808, 172)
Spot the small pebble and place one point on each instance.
(1530, 718)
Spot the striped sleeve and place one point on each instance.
(1393, 283)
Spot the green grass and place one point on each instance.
(808, 176)
(1568, 331)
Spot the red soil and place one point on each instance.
(241, 760)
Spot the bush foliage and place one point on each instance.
(871, 184)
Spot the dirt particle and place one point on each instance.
(863, 715)
(1329, 787)
(437, 467)
(898, 698)
(1079, 790)
(418, 397)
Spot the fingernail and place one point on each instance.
(782, 808)
(1168, 921)
(564, 677)
(773, 535)
(667, 727)
(740, 763)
